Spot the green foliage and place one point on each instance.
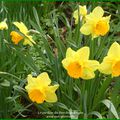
(54, 31)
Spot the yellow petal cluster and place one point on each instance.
(81, 11)
(24, 30)
(40, 90)
(96, 24)
(3, 25)
(111, 63)
(78, 65)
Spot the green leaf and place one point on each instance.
(85, 104)
(111, 107)
(102, 90)
(96, 114)
(5, 83)
(61, 105)
(36, 16)
(115, 92)
(28, 60)
(74, 114)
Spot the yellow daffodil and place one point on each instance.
(3, 25)
(81, 11)
(40, 90)
(111, 63)
(96, 24)
(16, 38)
(23, 29)
(78, 65)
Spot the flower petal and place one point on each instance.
(83, 10)
(95, 15)
(107, 19)
(21, 26)
(87, 74)
(98, 12)
(86, 29)
(105, 67)
(83, 53)
(44, 79)
(66, 62)
(70, 52)
(50, 93)
(39, 82)
(114, 50)
(33, 83)
(80, 11)
(94, 36)
(92, 65)
(30, 38)
(89, 67)
(69, 57)
(27, 42)
(75, 13)
(3, 25)
(30, 79)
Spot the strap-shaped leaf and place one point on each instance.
(96, 114)
(111, 107)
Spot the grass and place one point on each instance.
(56, 31)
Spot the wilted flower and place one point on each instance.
(3, 25)
(78, 65)
(40, 90)
(23, 29)
(81, 11)
(96, 24)
(111, 63)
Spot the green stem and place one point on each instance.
(92, 50)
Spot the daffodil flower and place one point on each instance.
(40, 90)
(24, 30)
(81, 11)
(96, 24)
(78, 65)
(111, 63)
(3, 25)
